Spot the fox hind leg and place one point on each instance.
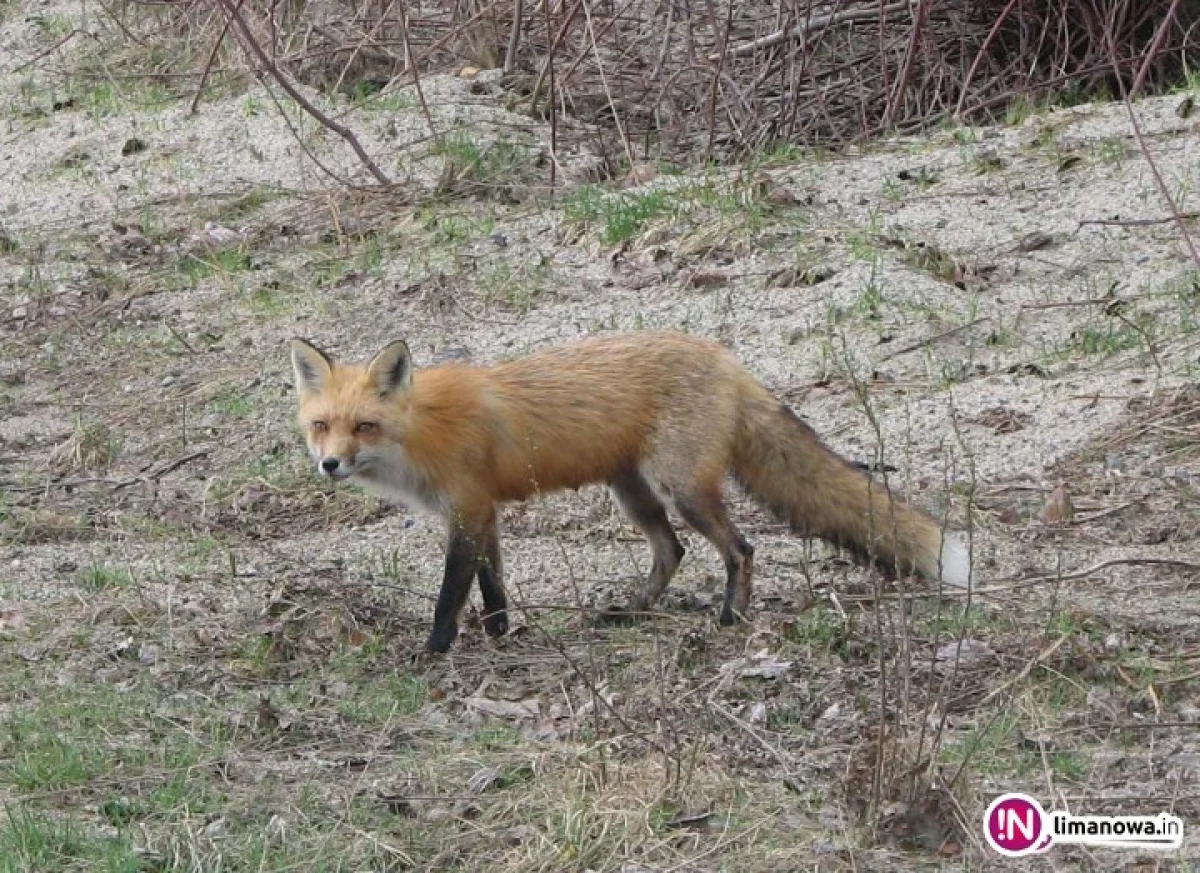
(642, 507)
(491, 584)
(704, 510)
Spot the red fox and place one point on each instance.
(659, 417)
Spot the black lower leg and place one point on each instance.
(491, 586)
(737, 580)
(462, 563)
(707, 515)
(642, 506)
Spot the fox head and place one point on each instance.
(350, 413)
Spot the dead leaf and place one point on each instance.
(512, 709)
(707, 279)
(1008, 515)
(969, 653)
(1032, 242)
(483, 780)
(761, 665)
(545, 731)
(783, 278)
(1001, 419)
(11, 619)
(637, 278)
(640, 173)
(950, 848)
(690, 820)
(1058, 509)
(267, 718)
(618, 254)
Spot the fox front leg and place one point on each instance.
(463, 556)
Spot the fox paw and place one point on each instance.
(496, 624)
(729, 617)
(440, 640)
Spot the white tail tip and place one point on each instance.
(956, 562)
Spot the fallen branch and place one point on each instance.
(800, 31)
(1025, 671)
(1134, 222)
(930, 340)
(251, 45)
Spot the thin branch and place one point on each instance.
(251, 45)
(800, 31)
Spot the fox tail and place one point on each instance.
(781, 462)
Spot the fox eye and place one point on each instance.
(320, 426)
(364, 427)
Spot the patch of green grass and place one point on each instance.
(620, 215)
(51, 26)
(1107, 339)
(267, 301)
(385, 697)
(1071, 766)
(34, 842)
(449, 230)
(397, 101)
(102, 577)
(503, 169)
(986, 161)
(233, 403)
(819, 629)
(92, 446)
(105, 98)
(44, 761)
(941, 622)
(196, 267)
(870, 300)
(740, 200)
(281, 468)
(989, 749)
(32, 283)
(244, 205)
(1020, 109)
(1111, 150)
(518, 285)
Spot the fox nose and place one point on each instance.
(329, 464)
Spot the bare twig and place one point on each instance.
(252, 46)
(208, 64)
(1145, 149)
(867, 13)
(1025, 671)
(514, 36)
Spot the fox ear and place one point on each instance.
(310, 365)
(392, 367)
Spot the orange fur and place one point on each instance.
(657, 416)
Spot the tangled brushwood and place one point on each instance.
(696, 80)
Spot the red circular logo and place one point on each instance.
(1016, 825)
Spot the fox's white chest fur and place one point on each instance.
(397, 479)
